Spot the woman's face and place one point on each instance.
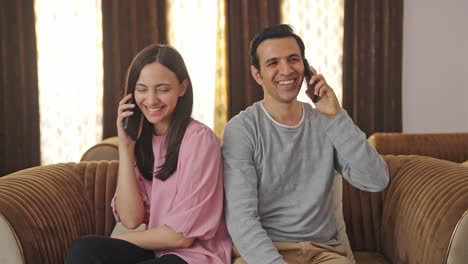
(156, 93)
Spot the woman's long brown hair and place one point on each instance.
(170, 58)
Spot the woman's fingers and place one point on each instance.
(125, 99)
(126, 114)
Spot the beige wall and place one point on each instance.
(435, 66)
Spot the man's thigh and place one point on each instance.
(307, 253)
(330, 258)
(317, 253)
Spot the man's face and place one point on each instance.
(281, 69)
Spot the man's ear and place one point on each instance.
(256, 75)
(183, 87)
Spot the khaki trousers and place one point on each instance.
(305, 253)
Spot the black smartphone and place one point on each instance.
(308, 74)
(132, 123)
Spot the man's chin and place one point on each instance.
(288, 99)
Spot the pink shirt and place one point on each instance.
(191, 200)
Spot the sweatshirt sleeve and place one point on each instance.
(240, 184)
(355, 158)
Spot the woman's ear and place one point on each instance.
(183, 87)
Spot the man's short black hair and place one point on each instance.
(272, 32)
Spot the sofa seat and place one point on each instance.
(366, 257)
(417, 219)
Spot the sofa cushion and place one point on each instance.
(423, 204)
(458, 249)
(366, 257)
(10, 248)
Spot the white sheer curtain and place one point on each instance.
(320, 24)
(193, 32)
(70, 69)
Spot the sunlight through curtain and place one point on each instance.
(220, 111)
(196, 30)
(320, 25)
(70, 73)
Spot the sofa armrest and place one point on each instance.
(108, 149)
(46, 209)
(425, 200)
(447, 146)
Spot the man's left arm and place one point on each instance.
(355, 158)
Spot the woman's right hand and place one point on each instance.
(124, 110)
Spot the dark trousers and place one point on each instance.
(102, 250)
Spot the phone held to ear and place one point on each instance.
(308, 75)
(132, 123)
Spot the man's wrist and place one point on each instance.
(333, 114)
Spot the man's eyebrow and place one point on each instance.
(292, 55)
(270, 60)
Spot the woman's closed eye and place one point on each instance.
(163, 89)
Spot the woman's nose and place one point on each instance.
(153, 97)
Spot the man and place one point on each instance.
(279, 160)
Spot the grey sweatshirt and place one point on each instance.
(278, 178)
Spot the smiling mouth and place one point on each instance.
(288, 82)
(154, 109)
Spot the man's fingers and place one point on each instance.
(314, 71)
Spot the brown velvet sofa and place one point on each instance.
(108, 149)
(446, 146)
(420, 218)
(367, 215)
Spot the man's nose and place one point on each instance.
(285, 68)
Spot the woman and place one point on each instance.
(170, 178)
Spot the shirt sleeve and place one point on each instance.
(356, 159)
(241, 207)
(141, 188)
(198, 206)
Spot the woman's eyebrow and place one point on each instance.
(157, 85)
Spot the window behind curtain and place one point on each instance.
(192, 31)
(69, 48)
(320, 25)
(196, 30)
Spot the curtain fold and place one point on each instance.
(19, 100)
(244, 20)
(128, 26)
(372, 64)
(372, 70)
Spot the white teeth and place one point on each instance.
(286, 82)
(154, 109)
